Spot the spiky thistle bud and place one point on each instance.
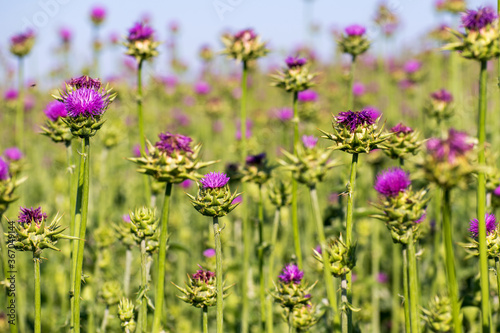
(341, 258)
(55, 128)
(290, 291)
(257, 169)
(144, 226)
(126, 314)
(438, 317)
(111, 293)
(440, 105)
(244, 46)
(8, 184)
(492, 237)
(295, 77)
(280, 193)
(402, 143)
(305, 317)
(21, 44)
(354, 41)
(140, 42)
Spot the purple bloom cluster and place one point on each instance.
(173, 142)
(391, 182)
(285, 114)
(28, 215)
(455, 145)
(13, 154)
(353, 120)
(412, 66)
(85, 82)
(11, 94)
(245, 35)
(307, 96)
(4, 169)
(478, 19)
(358, 89)
(98, 14)
(140, 32)
(202, 88)
(256, 160)
(309, 141)
(65, 34)
(85, 102)
(442, 95)
(209, 253)
(203, 275)
(401, 129)
(22, 37)
(295, 62)
(291, 273)
(214, 180)
(355, 30)
(54, 110)
(491, 224)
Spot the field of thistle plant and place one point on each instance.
(355, 195)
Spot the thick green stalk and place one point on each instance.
(295, 209)
(450, 264)
(406, 290)
(219, 276)
(497, 267)
(20, 106)
(481, 201)
(7, 268)
(160, 283)
(274, 237)
(376, 248)
(104, 323)
(396, 286)
(76, 203)
(95, 49)
(142, 136)
(290, 321)
(350, 95)
(81, 211)
(414, 302)
(205, 319)
(144, 283)
(38, 298)
(345, 320)
(327, 274)
(262, 286)
(128, 271)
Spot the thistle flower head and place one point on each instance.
(4, 169)
(491, 224)
(170, 143)
(412, 66)
(355, 30)
(285, 114)
(202, 88)
(214, 180)
(401, 129)
(209, 253)
(54, 110)
(21, 44)
(496, 191)
(139, 32)
(442, 95)
(353, 120)
(291, 273)
(245, 35)
(29, 215)
(85, 81)
(457, 144)
(307, 96)
(309, 141)
(65, 34)
(11, 94)
(256, 160)
(203, 275)
(295, 62)
(21, 38)
(13, 154)
(98, 14)
(85, 102)
(477, 19)
(391, 182)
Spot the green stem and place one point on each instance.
(142, 136)
(327, 274)
(81, 211)
(350, 96)
(376, 248)
(406, 291)
(219, 276)
(38, 299)
(128, 271)
(497, 267)
(450, 263)
(262, 287)
(481, 200)
(20, 106)
(345, 322)
(144, 284)
(96, 51)
(396, 287)
(412, 270)
(75, 198)
(160, 283)
(290, 321)
(274, 237)
(8, 268)
(205, 319)
(295, 209)
(104, 320)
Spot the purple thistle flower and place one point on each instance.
(295, 62)
(28, 215)
(391, 182)
(140, 32)
(21, 38)
(98, 14)
(455, 145)
(307, 96)
(401, 129)
(318, 249)
(358, 89)
(13, 154)
(65, 34)
(202, 88)
(126, 218)
(237, 200)
(209, 253)
(442, 95)
(491, 224)
(173, 142)
(214, 180)
(203, 275)
(186, 183)
(4, 169)
(309, 141)
(412, 66)
(496, 191)
(291, 273)
(245, 35)
(382, 278)
(85, 102)
(85, 82)
(54, 110)
(285, 114)
(477, 19)
(256, 160)
(11, 94)
(353, 120)
(355, 30)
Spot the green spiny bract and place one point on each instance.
(294, 79)
(200, 293)
(291, 295)
(144, 226)
(245, 47)
(142, 49)
(310, 165)
(354, 45)
(492, 245)
(305, 317)
(126, 314)
(214, 202)
(111, 293)
(57, 131)
(7, 188)
(363, 140)
(280, 193)
(438, 317)
(173, 168)
(480, 45)
(342, 258)
(400, 145)
(258, 174)
(439, 110)
(402, 214)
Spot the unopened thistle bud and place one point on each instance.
(21, 44)
(440, 105)
(354, 41)
(111, 293)
(438, 317)
(280, 193)
(402, 142)
(244, 46)
(305, 317)
(295, 77)
(140, 42)
(126, 314)
(341, 258)
(256, 170)
(290, 291)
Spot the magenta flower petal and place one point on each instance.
(291, 273)
(391, 182)
(491, 224)
(214, 180)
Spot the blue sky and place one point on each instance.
(281, 22)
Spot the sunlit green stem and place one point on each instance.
(262, 287)
(144, 287)
(376, 250)
(104, 323)
(127, 272)
(295, 209)
(8, 253)
(406, 290)
(350, 95)
(345, 320)
(219, 276)
(205, 319)
(38, 298)
(20, 106)
(274, 237)
(160, 283)
(396, 287)
(481, 200)
(290, 321)
(412, 272)
(142, 135)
